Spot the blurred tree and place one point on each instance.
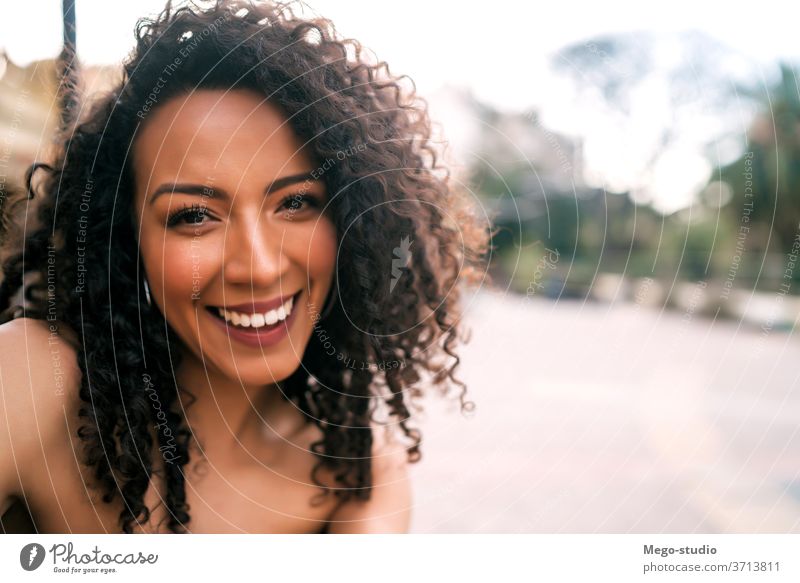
(765, 180)
(670, 93)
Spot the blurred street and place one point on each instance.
(613, 418)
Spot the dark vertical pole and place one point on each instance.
(68, 95)
(68, 16)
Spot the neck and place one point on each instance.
(224, 410)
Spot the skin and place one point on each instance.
(251, 463)
(246, 246)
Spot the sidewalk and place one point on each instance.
(613, 418)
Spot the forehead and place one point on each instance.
(216, 135)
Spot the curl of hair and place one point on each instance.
(333, 97)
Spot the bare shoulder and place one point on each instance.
(389, 454)
(389, 508)
(35, 350)
(39, 378)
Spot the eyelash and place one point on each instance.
(187, 210)
(198, 211)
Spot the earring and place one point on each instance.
(147, 293)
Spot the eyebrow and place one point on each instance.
(211, 192)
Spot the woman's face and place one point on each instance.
(230, 229)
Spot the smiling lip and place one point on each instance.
(258, 337)
(260, 307)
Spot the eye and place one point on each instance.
(189, 215)
(294, 202)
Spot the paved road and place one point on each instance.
(614, 418)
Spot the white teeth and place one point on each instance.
(258, 320)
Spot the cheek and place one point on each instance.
(178, 267)
(319, 251)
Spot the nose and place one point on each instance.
(254, 255)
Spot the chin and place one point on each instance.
(266, 373)
(249, 369)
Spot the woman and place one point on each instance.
(243, 266)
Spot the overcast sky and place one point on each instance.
(437, 41)
(501, 50)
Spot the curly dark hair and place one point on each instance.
(333, 97)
